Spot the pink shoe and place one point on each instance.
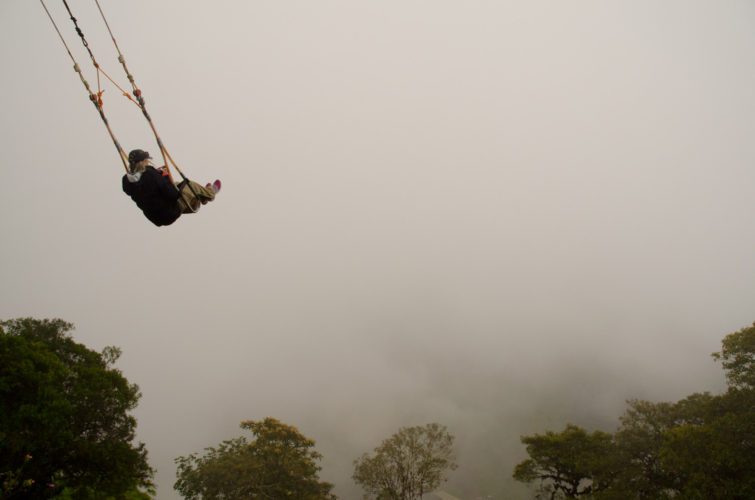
(216, 186)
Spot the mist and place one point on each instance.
(497, 216)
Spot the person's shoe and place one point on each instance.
(204, 200)
(216, 186)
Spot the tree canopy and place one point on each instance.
(702, 446)
(737, 357)
(279, 463)
(576, 463)
(65, 422)
(412, 462)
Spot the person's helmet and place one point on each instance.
(137, 155)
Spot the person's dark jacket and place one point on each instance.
(155, 195)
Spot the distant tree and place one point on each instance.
(738, 358)
(643, 433)
(702, 446)
(412, 462)
(715, 460)
(65, 426)
(279, 463)
(713, 454)
(569, 464)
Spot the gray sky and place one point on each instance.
(501, 216)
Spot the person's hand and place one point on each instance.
(163, 170)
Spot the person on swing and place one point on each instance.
(161, 201)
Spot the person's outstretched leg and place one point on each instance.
(203, 195)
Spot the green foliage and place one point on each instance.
(641, 437)
(12, 483)
(715, 459)
(701, 447)
(85, 493)
(412, 462)
(738, 358)
(572, 463)
(279, 463)
(64, 417)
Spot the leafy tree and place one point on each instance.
(641, 438)
(407, 465)
(569, 464)
(279, 463)
(702, 446)
(738, 358)
(64, 417)
(713, 456)
(714, 461)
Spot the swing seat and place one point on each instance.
(188, 202)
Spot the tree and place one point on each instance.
(64, 417)
(737, 356)
(702, 446)
(715, 460)
(640, 440)
(713, 455)
(571, 463)
(412, 462)
(279, 463)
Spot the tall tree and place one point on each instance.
(702, 446)
(412, 462)
(64, 416)
(715, 460)
(737, 356)
(571, 463)
(714, 455)
(279, 463)
(644, 429)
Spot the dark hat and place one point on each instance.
(137, 155)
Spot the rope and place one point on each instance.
(95, 98)
(142, 104)
(81, 33)
(121, 59)
(125, 94)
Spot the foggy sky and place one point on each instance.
(501, 216)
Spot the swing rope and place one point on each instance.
(95, 98)
(138, 93)
(143, 106)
